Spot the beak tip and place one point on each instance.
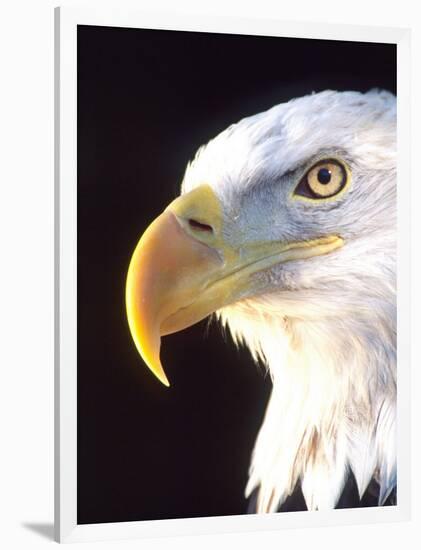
(160, 374)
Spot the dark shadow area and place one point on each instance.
(45, 530)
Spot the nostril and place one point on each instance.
(198, 226)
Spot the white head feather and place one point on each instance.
(326, 326)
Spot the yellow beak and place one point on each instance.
(182, 270)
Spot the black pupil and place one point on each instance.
(324, 175)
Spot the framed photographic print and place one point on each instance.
(232, 200)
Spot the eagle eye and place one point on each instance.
(324, 180)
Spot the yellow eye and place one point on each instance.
(324, 180)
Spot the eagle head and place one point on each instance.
(285, 229)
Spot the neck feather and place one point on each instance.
(333, 403)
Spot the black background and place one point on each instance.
(146, 101)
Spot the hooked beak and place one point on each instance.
(182, 270)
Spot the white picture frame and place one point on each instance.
(66, 527)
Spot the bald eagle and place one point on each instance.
(285, 229)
